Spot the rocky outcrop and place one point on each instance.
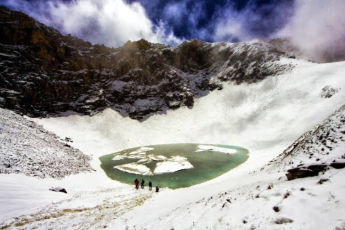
(43, 72)
(58, 189)
(316, 151)
(338, 165)
(312, 170)
(301, 172)
(328, 91)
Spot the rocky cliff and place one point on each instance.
(43, 72)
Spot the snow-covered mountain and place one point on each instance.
(45, 73)
(291, 119)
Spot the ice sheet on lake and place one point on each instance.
(141, 151)
(169, 165)
(118, 158)
(134, 168)
(144, 161)
(157, 158)
(137, 156)
(173, 164)
(202, 148)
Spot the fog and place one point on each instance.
(317, 28)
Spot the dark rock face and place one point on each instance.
(338, 165)
(58, 189)
(45, 73)
(311, 170)
(300, 173)
(317, 167)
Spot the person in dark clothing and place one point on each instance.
(157, 189)
(142, 183)
(150, 185)
(136, 182)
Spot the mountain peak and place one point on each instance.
(43, 72)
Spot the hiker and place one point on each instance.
(157, 189)
(150, 185)
(136, 182)
(142, 183)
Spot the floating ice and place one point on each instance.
(141, 151)
(164, 164)
(118, 158)
(134, 168)
(169, 165)
(157, 158)
(202, 148)
(137, 156)
(144, 161)
(173, 164)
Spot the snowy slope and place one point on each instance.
(264, 199)
(265, 117)
(30, 149)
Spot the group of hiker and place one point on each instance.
(136, 182)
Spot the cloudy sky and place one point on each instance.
(114, 22)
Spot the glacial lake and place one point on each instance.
(172, 165)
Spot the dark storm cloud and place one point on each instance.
(206, 20)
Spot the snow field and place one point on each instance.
(265, 118)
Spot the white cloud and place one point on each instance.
(108, 22)
(231, 25)
(175, 11)
(165, 34)
(230, 29)
(318, 29)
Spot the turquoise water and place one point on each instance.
(207, 165)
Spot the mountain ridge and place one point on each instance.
(44, 73)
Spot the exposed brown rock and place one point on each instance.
(317, 167)
(300, 173)
(311, 170)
